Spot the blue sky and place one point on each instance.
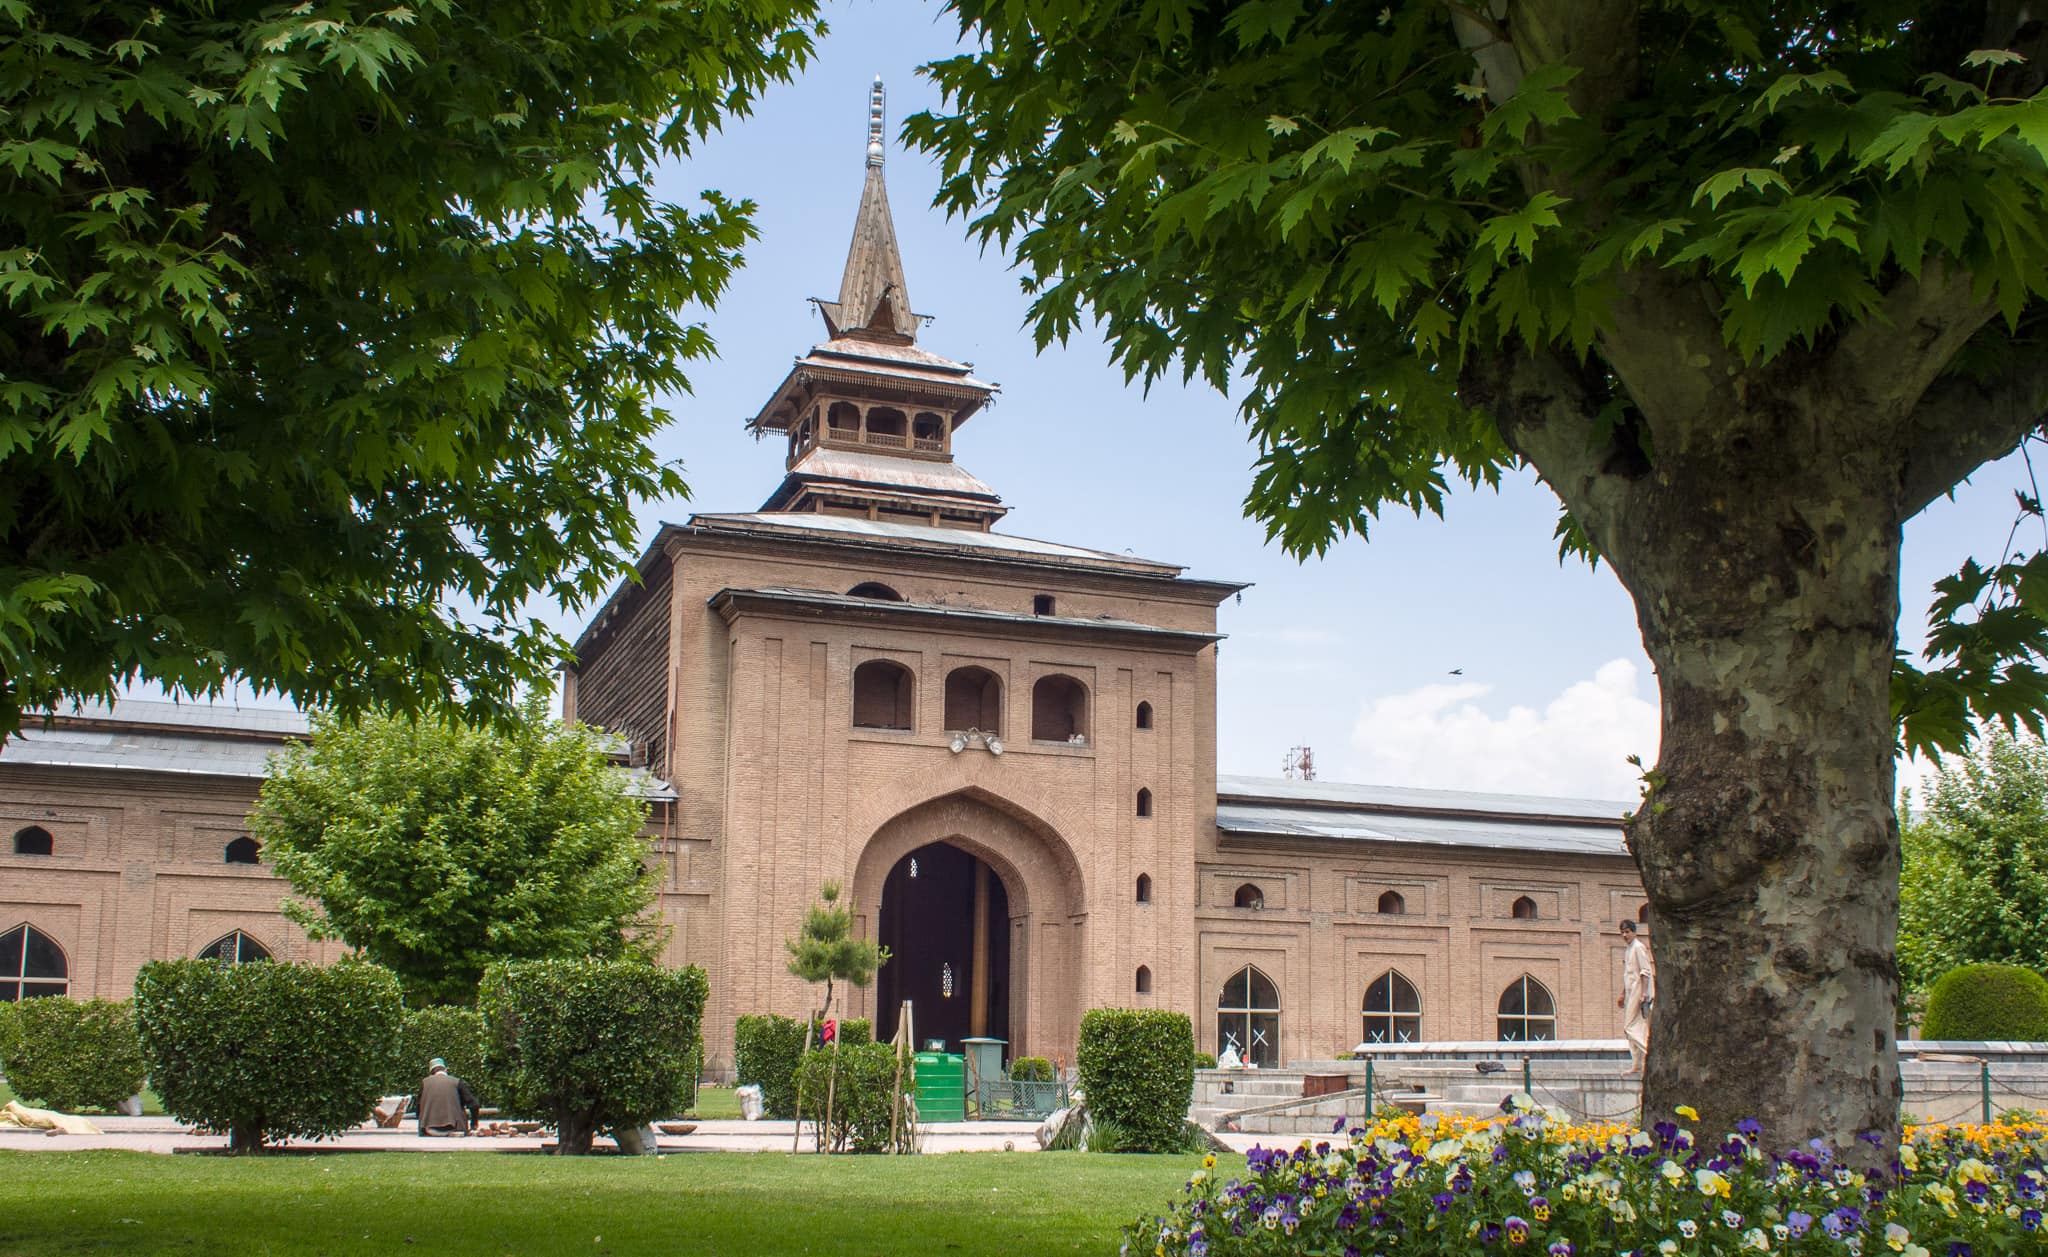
(1351, 654)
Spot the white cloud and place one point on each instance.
(1578, 744)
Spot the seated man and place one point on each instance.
(446, 1105)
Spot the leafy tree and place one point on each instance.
(591, 1044)
(1747, 284)
(1975, 886)
(319, 321)
(825, 948)
(436, 849)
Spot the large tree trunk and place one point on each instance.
(1766, 839)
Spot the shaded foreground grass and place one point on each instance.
(496, 1204)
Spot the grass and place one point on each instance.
(491, 1205)
(151, 1106)
(716, 1104)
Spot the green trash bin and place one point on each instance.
(941, 1087)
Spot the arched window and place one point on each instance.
(842, 420)
(1248, 896)
(1391, 904)
(1527, 1012)
(1059, 710)
(1144, 980)
(1393, 1011)
(974, 700)
(236, 948)
(35, 840)
(886, 426)
(31, 965)
(928, 431)
(1144, 888)
(881, 695)
(1144, 715)
(876, 590)
(1643, 917)
(1144, 802)
(1524, 909)
(241, 851)
(1248, 1018)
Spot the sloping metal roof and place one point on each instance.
(925, 536)
(196, 714)
(192, 739)
(1254, 821)
(1408, 798)
(171, 751)
(860, 467)
(1272, 807)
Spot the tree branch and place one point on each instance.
(1544, 405)
(1960, 424)
(1891, 358)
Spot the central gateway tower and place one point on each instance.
(1004, 748)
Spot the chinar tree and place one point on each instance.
(330, 333)
(1746, 284)
(438, 849)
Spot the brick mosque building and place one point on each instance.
(1005, 749)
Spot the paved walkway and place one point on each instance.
(163, 1134)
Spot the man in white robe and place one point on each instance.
(1638, 991)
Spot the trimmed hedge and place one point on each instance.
(1988, 1002)
(1031, 1069)
(1138, 1074)
(591, 1044)
(1205, 1060)
(451, 1032)
(768, 1047)
(268, 1051)
(861, 1095)
(70, 1055)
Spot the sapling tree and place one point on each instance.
(825, 949)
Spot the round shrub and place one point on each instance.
(862, 1081)
(1138, 1073)
(1031, 1069)
(71, 1054)
(267, 1051)
(591, 1044)
(1205, 1060)
(449, 1031)
(1988, 1002)
(767, 1048)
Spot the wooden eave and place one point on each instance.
(796, 604)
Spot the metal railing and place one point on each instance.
(999, 1098)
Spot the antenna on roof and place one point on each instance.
(1300, 763)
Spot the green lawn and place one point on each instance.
(716, 1104)
(153, 1107)
(496, 1204)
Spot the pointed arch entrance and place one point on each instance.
(1001, 879)
(945, 918)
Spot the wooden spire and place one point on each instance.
(874, 299)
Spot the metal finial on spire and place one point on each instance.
(875, 123)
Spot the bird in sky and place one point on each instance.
(1457, 672)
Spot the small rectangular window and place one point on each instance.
(1042, 605)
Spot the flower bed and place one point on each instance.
(1533, 1185)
